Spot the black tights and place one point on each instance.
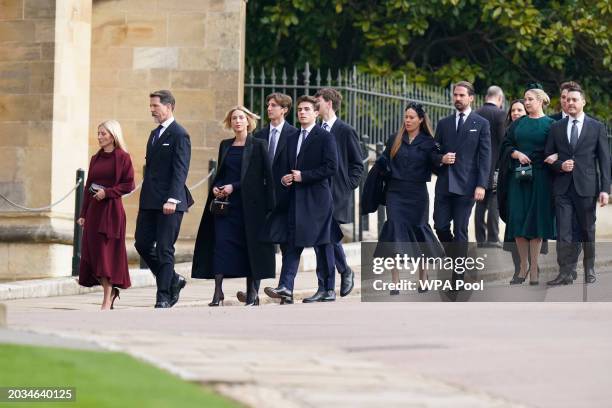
(252, 289)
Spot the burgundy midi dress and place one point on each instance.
(103, 253)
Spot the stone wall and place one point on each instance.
(193, 48)
(44, 118)
(67, 65)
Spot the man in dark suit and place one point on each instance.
(563, 89)
(464, 167)
(487, 233)
(315, 161)
(346, 179)
(277, 135)
(582, 178)
(164, 198)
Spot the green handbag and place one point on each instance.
(523, 173)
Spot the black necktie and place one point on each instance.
(574, 134)
(156, 133)
(460, 122)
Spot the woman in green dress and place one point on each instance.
(530, 211)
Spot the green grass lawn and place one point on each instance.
(101, 379)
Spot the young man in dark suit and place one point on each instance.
(582, 178)
(464, 167)
(314, 160)
(164, 197)
(487, 232)
(277, 135)
(346, 179)
(563, 89)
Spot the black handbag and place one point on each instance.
(94, 188)
(524, 173)
(219, 207)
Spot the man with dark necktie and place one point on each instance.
(464, 164)
(582, 179)
(346, 179)
(314, 160)
(278, 135)
(164, 198)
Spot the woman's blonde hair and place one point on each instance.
(540, 96)
(251, 118)
(114, 128)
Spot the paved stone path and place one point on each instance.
(349, 353)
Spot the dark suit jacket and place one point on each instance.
(473, 155)
(591, 153)
(280, 165)
(497, 123)
(556, 116)
(350, 170)
(257, 195)
(318, 162)
(167, 164)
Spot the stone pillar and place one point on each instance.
(44, 120)
(195, 48)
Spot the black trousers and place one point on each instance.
(453, 208)
(569, 207)
(155, 236)
(487, 231)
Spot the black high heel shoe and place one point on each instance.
(114, 295)
(217, 300)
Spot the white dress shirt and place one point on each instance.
(165, 125)
(279, 129)
(329, 123)
(570, 123)
(302, 138)
(466, 113)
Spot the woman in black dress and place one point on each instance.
(228, 245)
(411, 154)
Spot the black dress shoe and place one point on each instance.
(561, 279)
(241, 296)
(317, 297)
(347, 282)
(321, 296)
(279, 293)
(163, 305)
(176, 288)
(286, 301)
(589, 275)
(330, 296)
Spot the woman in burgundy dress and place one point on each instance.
(103, 255)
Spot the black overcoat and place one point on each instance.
(257, 192)
(312, 197)
(350, 170)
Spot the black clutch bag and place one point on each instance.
(93, 188)
(524, 173)
(219, 207)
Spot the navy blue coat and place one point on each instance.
(473, 155)
(167, 165)
(350, 170)
(312, 197)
